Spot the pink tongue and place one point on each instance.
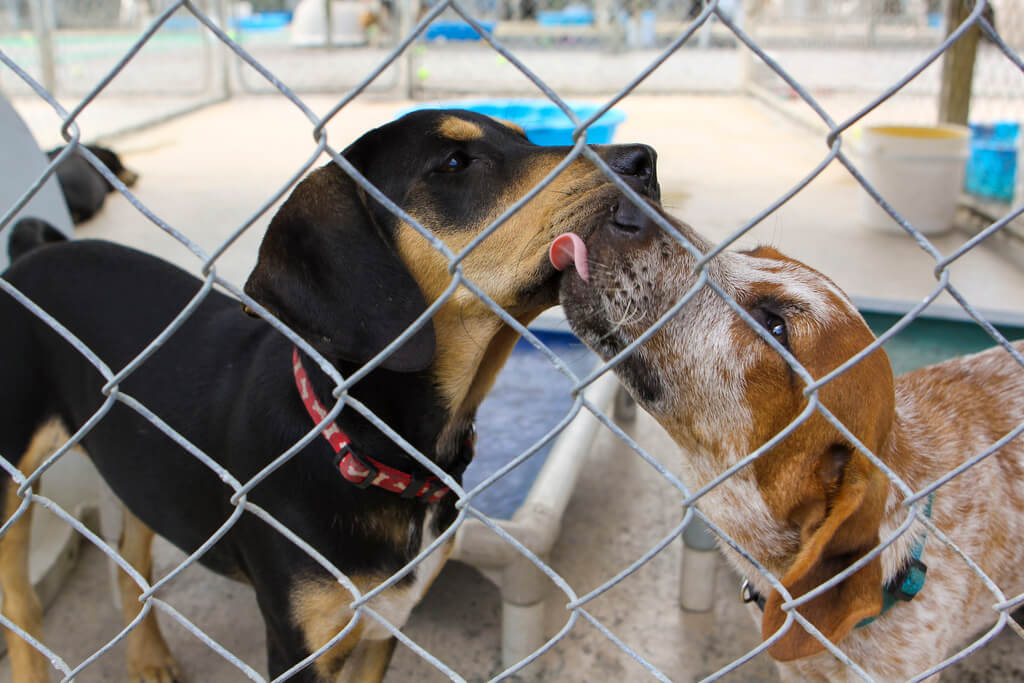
(568, 250)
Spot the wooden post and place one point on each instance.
(958, 66)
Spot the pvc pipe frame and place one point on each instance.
(536, 524)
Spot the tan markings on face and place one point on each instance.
(472, 341)
(726, 391)
(513, 125)
(454, 128)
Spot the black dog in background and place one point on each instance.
(83, 186)
(30, 233)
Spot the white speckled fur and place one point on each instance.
(943, 415)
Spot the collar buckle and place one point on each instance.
(909, 582)
(750, 594)
(372, 471)
(412, 489)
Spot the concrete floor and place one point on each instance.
(722, 160)
(459, 621)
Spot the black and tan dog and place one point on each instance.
(84, 188)
(348, 276)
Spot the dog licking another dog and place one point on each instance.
(348, 276)
(813, 503)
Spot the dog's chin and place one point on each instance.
(589, 321)
(538, 296)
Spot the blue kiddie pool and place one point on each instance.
(544, 122)
(573, 15)
(263, 21)
(456, 29)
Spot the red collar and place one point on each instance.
(362, 471)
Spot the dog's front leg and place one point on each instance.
(149, 658)
(368, 662)
(20, 603)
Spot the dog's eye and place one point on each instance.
(776, 327)
(455, 162)
(773, 322)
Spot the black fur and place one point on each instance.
(31, 233)
(84, 187)
(328, 268)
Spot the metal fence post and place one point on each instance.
(408, 10)
(221, 52)
(43, 22)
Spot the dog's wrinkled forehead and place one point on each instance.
(766, 273)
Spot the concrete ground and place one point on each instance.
(721, 161)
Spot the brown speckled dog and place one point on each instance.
(813, 504)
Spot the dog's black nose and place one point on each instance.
(638, 165)
(633, 160)
(630, 218)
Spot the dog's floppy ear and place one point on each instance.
(838, 524)
(326, 271)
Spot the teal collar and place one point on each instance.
(902, 588)
(910, 580)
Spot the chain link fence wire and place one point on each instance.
(721, 17)
(844, 52)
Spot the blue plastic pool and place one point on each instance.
(529, 398)
(543, 121)
(263, 21)
(456, 29)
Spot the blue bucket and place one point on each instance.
(543, 122)
(992, 165)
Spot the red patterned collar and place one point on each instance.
(361, 470)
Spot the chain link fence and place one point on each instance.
(717, 21)
(844, 52)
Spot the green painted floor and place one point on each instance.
(930, 340)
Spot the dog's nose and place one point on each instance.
(633, 160)
(630, 218)
(637, 164)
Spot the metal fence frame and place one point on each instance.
(576, 604)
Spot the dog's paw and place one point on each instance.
(158, 669)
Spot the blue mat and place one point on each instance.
(529, 398)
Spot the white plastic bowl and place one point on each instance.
(918, 170)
